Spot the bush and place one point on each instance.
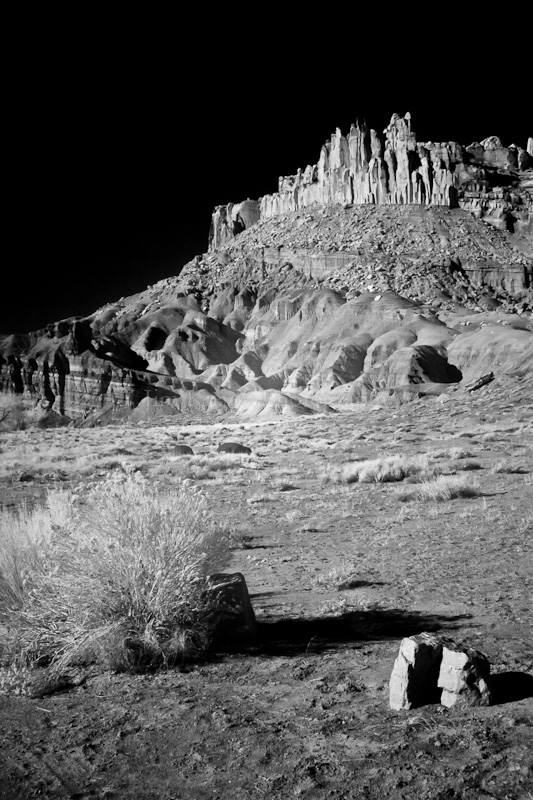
(381, 470)
(201, 467)
(117, 578)
(509, 468)
(445, 487)
(13, 412)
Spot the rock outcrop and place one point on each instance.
(231, 615)
(394, 169)
(369, 276)
(464, 677)
(415, 673)
(431, 669)
(230, 220)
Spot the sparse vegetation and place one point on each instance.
(456, 453)
(340, 578)
(337, 574)
(207, 466)
(443, 487)
(381, 470)
(468, 466)
(13, 412)
(117, 578)
(510, 468)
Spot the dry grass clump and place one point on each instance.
(115, 579)
(468, 466)
(453, 453)
(459, 452)
(13, 413)
(340, 578)
(381, 470)
(207, 466)
(443, 487)
(510, 468)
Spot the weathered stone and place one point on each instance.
(232, 614)
(366, 168)
(229, 220)
(233, 447)
(463, 676)
(182, 450)
(414, 676)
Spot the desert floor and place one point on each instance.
(338, 573)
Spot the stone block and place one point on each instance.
(414, 676)
(464, 676)
(231, 611)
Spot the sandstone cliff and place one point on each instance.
(363, 167)
(370, 276)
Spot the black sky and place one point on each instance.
(124, 136)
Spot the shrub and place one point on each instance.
(444, 487)
(13, 412)
(381, 470)
(468, 466)
(459, 452)
(207, 466)
(509, 468)
(117, 578)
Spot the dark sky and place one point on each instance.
(124, 136)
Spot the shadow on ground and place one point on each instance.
(508, 687)
(292, 637)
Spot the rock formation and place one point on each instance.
(431, 669)
(230, 220)
(370, 276)
(415, 673)
(464, 676)
(394, 169)
(233, 617)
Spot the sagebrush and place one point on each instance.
(381, 470)
(443, 487)
(116, 577)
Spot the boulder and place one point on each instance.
(182, 450)
(464, 676)
(415, 673)
(232, 615)
(233, 447)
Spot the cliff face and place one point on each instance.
(230, 220)
(369, 274)
(485, 178)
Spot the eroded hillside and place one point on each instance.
(305, 305)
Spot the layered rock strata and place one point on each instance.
(373, 287)
(365, 247)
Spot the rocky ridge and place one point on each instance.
(308, 300)
(486, 178)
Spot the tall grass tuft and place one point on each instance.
(381, 470)
(444, 487)
(116, 578)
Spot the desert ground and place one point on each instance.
(338, 573)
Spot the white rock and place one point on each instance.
(463, 676)
(414, 676)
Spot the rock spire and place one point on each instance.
(393, 169)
